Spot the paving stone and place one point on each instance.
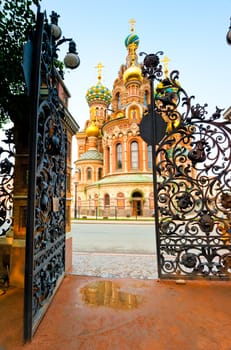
(114, 265)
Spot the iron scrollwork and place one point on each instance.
(194, 191)
(7, 161)
(49, 238)
(46, 227)
(194, 188)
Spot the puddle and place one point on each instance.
(108, 293)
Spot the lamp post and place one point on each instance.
(76, 199)
(152, 126)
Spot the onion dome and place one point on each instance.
(132, 38)
(99, 92)
(92, 130)
(132, 73)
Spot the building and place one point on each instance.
(113, 170)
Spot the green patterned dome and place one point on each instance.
(132, 38)
(91, 155)
(98, 93)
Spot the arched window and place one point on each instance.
(119, 156)
(100, 170)
(134, 155)
(149, 157)
(89, 174)
(118, 100)
(106, 200)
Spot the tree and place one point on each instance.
(16, 18)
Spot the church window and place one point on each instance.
(106, 200)
(134, 155)
(118, 100)
(89, 173)
(119, 156)
(100, 173)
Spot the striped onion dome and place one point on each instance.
(99, 92)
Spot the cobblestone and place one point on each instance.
(114, 265)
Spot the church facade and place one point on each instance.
(113, 170)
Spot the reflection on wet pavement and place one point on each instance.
(108, 293)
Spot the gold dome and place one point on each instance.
(92, 130)
(132, 73)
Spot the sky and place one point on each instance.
(192, 33)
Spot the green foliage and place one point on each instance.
(16, 17)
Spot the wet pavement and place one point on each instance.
(90, 313)
(116, 302)
(95, 313)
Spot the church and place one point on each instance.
(113, 170)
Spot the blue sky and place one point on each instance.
(192, 33)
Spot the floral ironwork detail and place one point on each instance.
(194, 166)
(7, 161)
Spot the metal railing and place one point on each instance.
(112, 212)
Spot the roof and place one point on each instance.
(91, 155)
(126, 178)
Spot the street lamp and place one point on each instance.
(228, 35)
(46, 40)
(71, 59)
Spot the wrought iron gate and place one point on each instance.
(193, 164)
(45, 240)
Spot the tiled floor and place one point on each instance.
(90, 313)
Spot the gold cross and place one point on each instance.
(99, 67)
(165, 61)
(132, 24)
